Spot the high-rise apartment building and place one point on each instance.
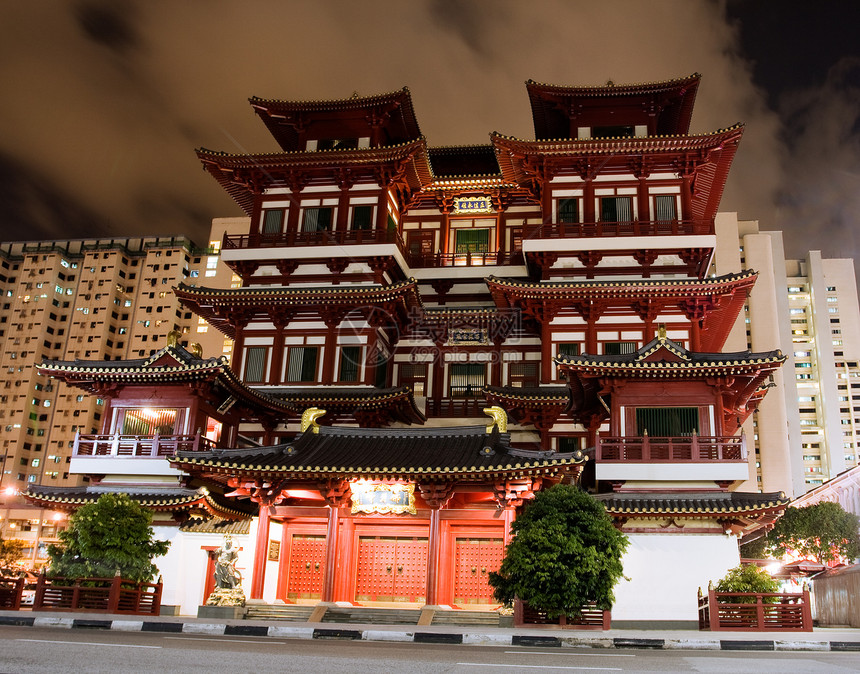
(92, 299)
(806, 430)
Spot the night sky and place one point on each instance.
(104, 102)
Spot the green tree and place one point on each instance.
(114, 533)
(747, 578)
(565, 553)
(10, 552)
(824, 532)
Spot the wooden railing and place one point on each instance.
(694, 448)
(148, 446)
(321, 238)
(99, 595)
(11, 591)
(579, 230)
(755, 612)
(456, 407)
(590, 618)
(433, 260)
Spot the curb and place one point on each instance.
(447, 638)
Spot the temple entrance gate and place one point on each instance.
(306, 567)
(391, 569)
(474, 559)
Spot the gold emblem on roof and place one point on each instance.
(309, 419)
(500, 418)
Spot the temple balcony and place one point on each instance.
(132, 454)
(685, 459)
(456, 407)
(638, 228)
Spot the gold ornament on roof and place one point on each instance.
(173, 338)
(309, 419)
(500, 418)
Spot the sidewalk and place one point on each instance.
(821, 639)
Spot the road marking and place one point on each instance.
(238, 641)
(590, 655)
(86, 643)
(510, 666)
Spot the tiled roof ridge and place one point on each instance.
(620, 87)
(354, 99)
(582, 142)
(728, 278)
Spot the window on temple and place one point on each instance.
(255, 363)
(616, 209)
(665, 208)
(618, 348)
(273, 221)
(525, 375)
(667, 422)
(568, 349)
(361, 217)
(147, 421)
(350, 363)
(317, 219)
(568, 443)
(472, 241)
(568, 210)
(465, 380)
(613, 132)
(414, 375)
(302, 364)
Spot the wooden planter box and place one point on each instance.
(97, 595)
(11, 591)
(755, 612)
(591, 618)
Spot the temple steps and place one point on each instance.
(288, 612)
(372, 616)
(485, 618)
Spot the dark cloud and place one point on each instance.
(109, 99)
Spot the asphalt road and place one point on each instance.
(28, 649)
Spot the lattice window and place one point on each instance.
(465, 380)
(350, 363)
(667, 422)
(317, 219)
(255, 363)
(302, 364)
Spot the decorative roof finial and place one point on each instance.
(309, 419)
(173, 338)
(661, 331)
(196, 349)
(500, 418)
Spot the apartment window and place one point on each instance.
(316, 219)
(465, 380)
(273, 221)
(472, 241)
(667, 421)
(414, 375)
(665, 208)
(302, 364)
(568, 210)
(350, 363)
(255, 363)
(616, 209)
(361, 217)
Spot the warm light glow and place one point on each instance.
(774, 568)
(9, 491)
(57, 517)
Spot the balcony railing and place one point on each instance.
(145, 446)
(289, 239)
(434, 260)
(456, 407)
(579, 230)
(694, 448)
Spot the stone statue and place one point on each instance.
(228, 579)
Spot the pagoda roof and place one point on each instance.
(215, 525)
(244, 176)
(329, 119)
(691, 503)
(529, 395)
(397, 402)
(670, 101)
(724, 296)
(428, 454)
(156, 498)
(169, 365)
(707, 156)
(222, 306)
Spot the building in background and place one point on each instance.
(806, 430)
(83, 299)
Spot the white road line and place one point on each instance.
(86, 643)
(510, 666)
(589, 655)
(238, 641)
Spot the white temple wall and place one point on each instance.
(665, 572)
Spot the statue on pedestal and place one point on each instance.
(228, 579)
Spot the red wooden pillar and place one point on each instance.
(371, 357)
(436, 496)
(332, 320)
(496, 370)
(510, 515)
(258, 573)
(591, 337)
(336, 493)
(588, 207)
(438, 377)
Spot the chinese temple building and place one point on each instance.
(393, 296)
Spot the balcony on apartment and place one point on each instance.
(687, 458)
(132, 454)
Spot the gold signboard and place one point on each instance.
(383, 498)
(274, 551)
(473, 205)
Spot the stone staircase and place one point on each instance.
(363, 615)
(371, 616)
(469, 618)
(289, 612)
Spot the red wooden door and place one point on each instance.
(474, 559)
(391, 569)
(307, 563)
(420, 244)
